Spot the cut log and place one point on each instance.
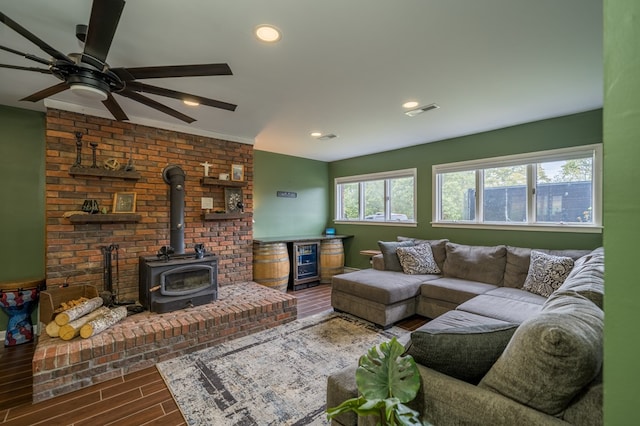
(53, 329)
(103, 322)
(77, 311)
(72, 329)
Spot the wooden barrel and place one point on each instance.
(331, 259)
(271, 265)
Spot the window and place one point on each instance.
(554, 190)
(387, 197)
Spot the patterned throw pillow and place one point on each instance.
(546, 273)
(417, 260)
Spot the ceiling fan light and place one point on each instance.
(89, 92)
(268, 33)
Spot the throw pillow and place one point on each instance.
(438, 247)
(465, 353)
(417, 260)
(546, 273)
(551, 356)
(389, 255)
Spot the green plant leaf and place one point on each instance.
(384, 373)
(386, 380)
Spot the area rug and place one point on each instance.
(274, 377)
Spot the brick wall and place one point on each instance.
(73, 251)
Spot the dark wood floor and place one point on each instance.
(140, 398)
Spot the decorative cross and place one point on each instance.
(206, 168)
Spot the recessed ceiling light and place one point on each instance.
(410, 104)
(420, 110)
(190, 103)
(323, 136)
(268, 33)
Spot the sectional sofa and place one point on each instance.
(516, 336)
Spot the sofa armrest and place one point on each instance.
(448, 401)
(377, 262)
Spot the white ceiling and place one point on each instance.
(342, 66)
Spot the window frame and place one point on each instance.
(530, 160)
(363, 178)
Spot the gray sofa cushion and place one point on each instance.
(505, 309)
(380, 286)
(454, 290)
(341, 386)
(438, 247)
(586, 408)
(587, 278)
(464, 352)
(517, 266)
(462, 319)
(551, 356)
(517, 294)
(476, 263)
(388, 249)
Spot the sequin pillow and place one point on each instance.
(546, 273)
(417, 259)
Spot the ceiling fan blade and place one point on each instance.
(202, 70)
(156, 105)
(32, 38)
(114, 108)
(105, 15)
(15, 67)
(141, 87)
(49, 91)
(25, 55)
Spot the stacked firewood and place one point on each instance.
(83, 317)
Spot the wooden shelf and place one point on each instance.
(211, 181)
(100, 173)
(105, 218)
(224, 216)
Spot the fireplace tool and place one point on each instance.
(107, 276)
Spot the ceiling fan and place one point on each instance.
(88, 75)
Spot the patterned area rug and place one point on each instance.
(275, 377)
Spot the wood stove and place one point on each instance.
(177, 282)
(173, 280)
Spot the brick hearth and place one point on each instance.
(142, 340)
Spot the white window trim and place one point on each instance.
(371, 177)
(594, 150)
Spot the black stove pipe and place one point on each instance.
(174, 176)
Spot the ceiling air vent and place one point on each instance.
(420, 110)
(327, 136)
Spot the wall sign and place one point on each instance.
(287, 194)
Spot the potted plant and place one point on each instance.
(386, 381)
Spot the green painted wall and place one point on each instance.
(621, 210)
(573, 130)
(307, 214)
(22, 210)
